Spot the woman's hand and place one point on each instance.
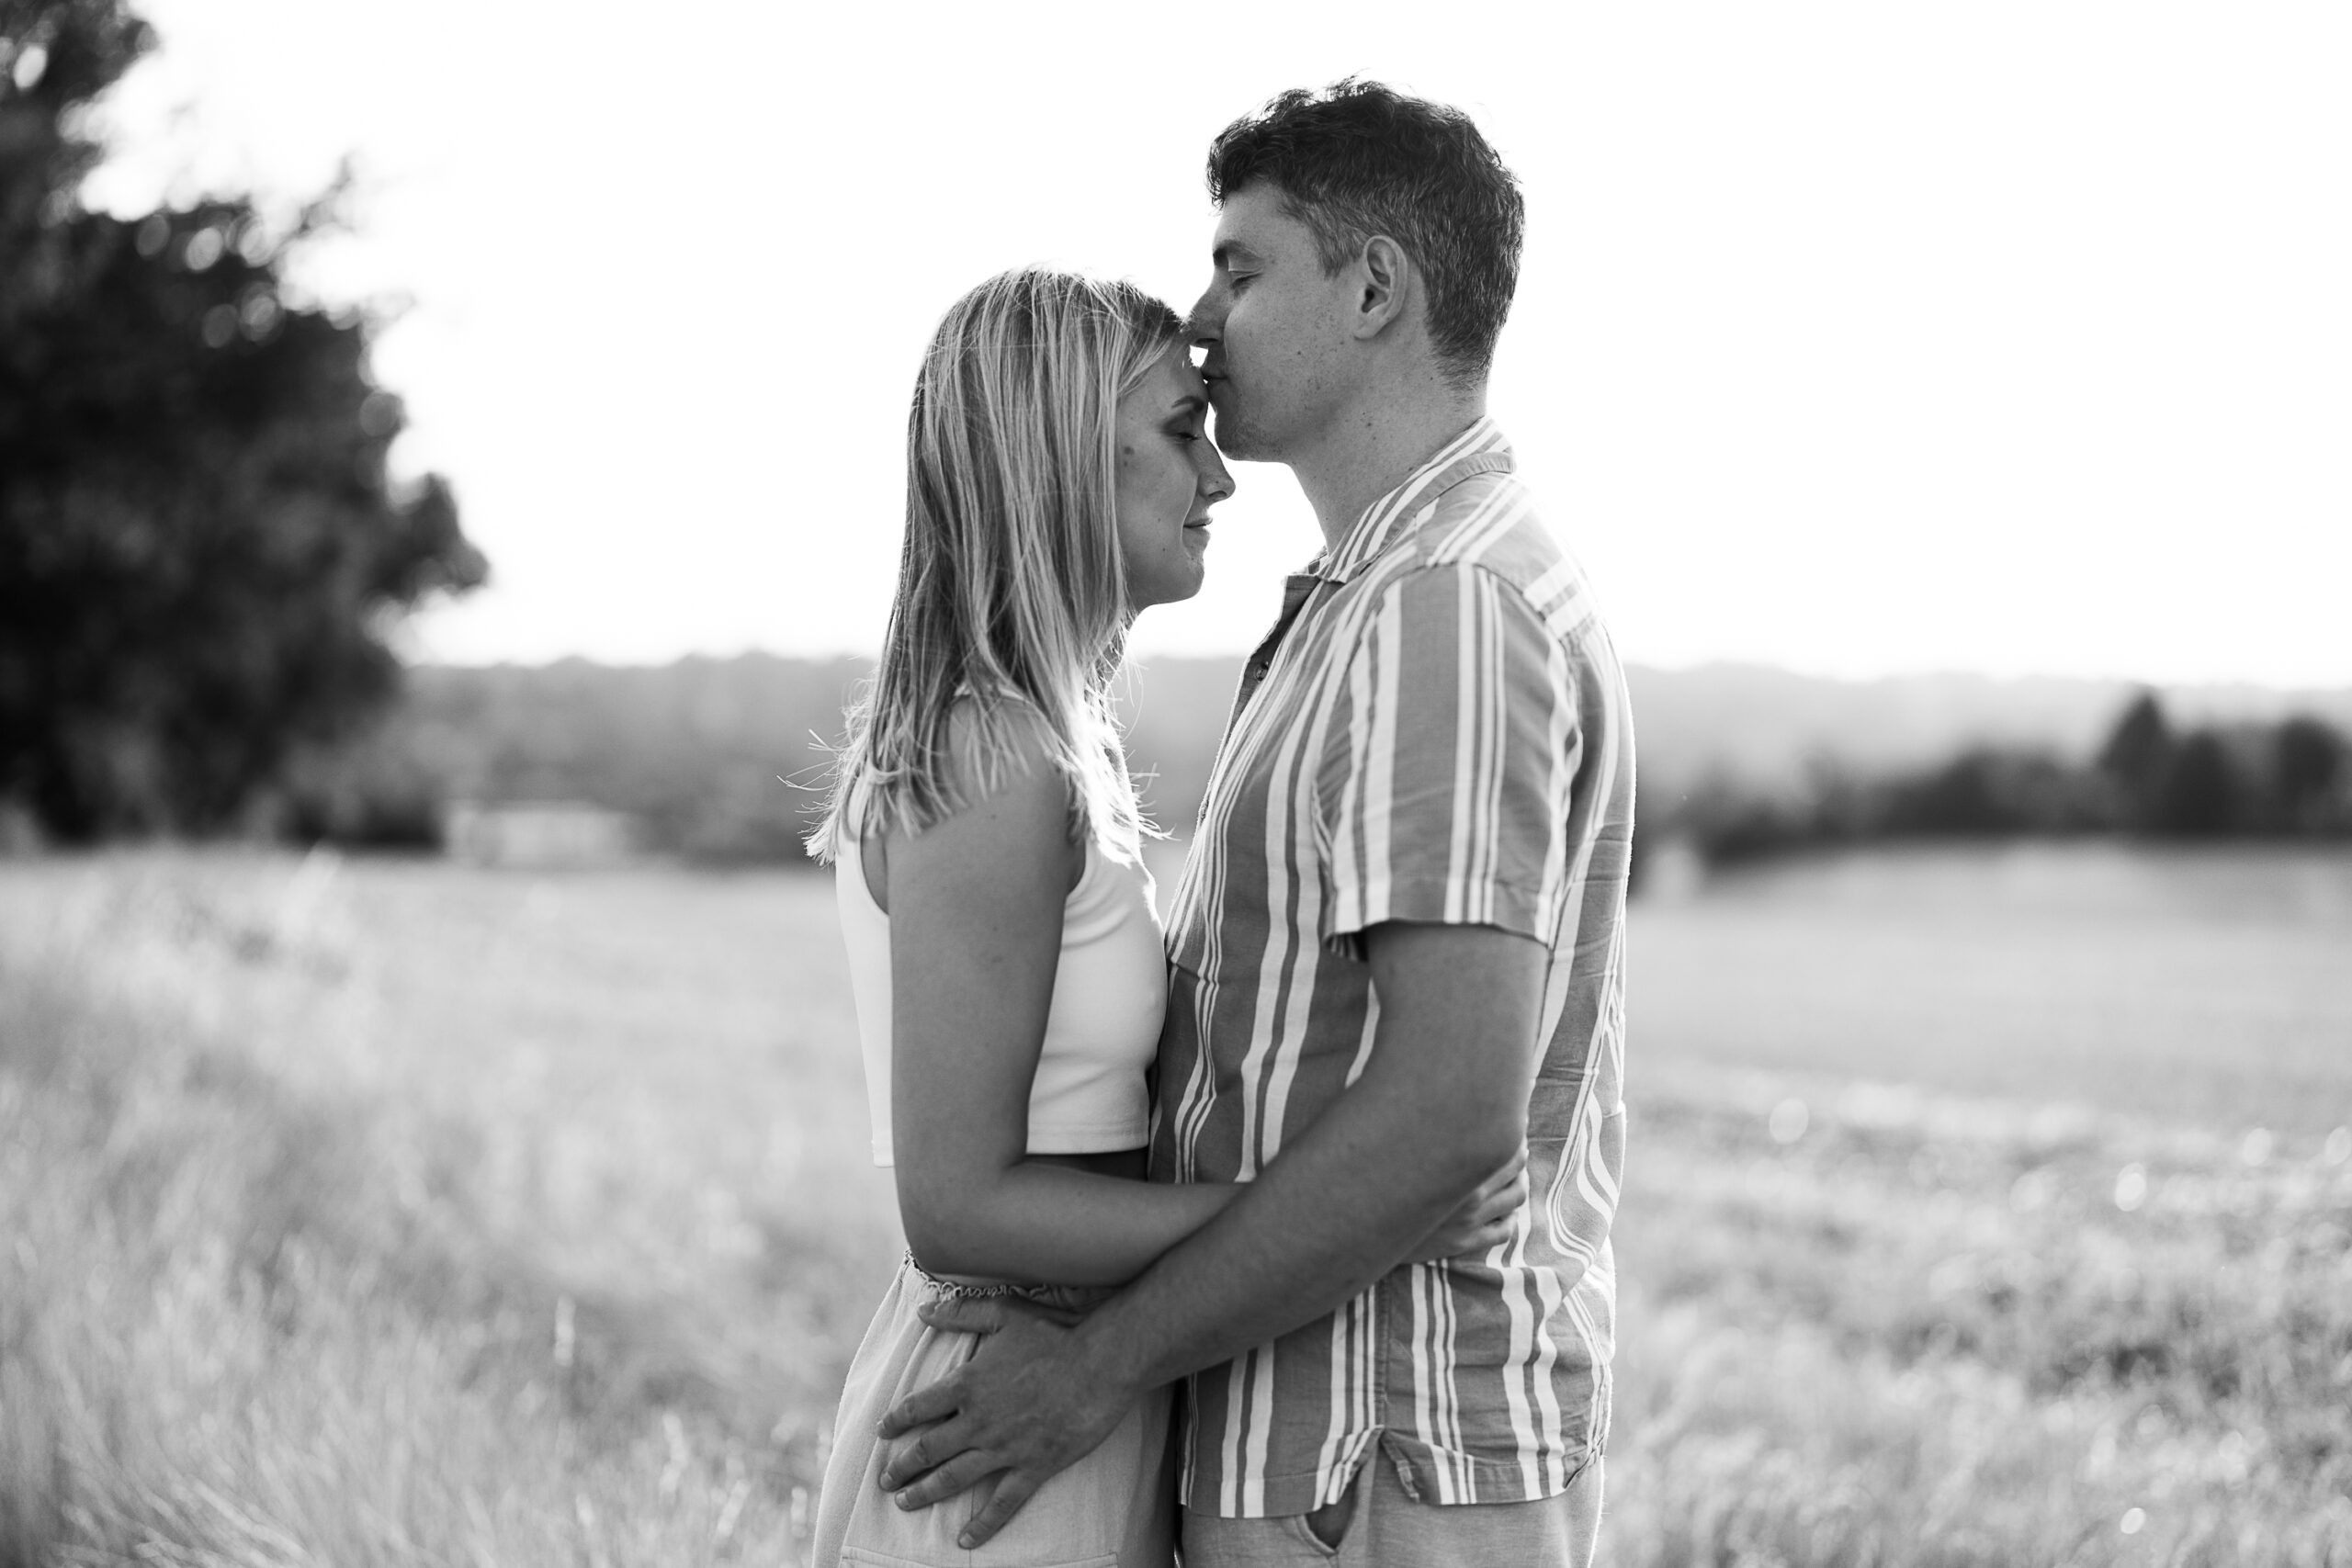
(1483, 1220)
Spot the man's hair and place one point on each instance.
(1360, 159)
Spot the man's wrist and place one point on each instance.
(1111, 1355)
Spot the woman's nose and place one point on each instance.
(1216, 482)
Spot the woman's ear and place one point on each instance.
(1385, 278)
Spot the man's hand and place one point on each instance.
(1024, 1407)
(1484, 1222)
(1027, 1405)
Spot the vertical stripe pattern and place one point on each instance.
(1435, 729)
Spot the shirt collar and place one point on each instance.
(1480, 449)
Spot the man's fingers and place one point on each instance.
(963, 1314)
(959, 1475)
(926, 1448)
(932, 1402)
(935, 1402)
(1012, 1492)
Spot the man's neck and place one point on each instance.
(1375, 447)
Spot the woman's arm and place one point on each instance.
(975, 928)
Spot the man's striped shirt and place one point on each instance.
(1436, 729)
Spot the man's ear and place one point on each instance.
(1384, 278)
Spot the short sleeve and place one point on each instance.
(1443, 785)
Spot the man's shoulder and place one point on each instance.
(1488, 524)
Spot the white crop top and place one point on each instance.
(1101, 1027)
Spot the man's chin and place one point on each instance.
(1235, 439)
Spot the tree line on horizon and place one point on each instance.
(2150, 778)
(724, 760)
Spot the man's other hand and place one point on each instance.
(1026, 1407)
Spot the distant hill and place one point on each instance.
(1763, 727)
(720, 758)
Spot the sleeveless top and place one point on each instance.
(1102, 1028)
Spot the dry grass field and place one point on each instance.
(1981, 1210)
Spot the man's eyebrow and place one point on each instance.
(1226, 254)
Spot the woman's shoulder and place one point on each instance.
(999, 742)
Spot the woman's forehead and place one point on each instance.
(1172, 379)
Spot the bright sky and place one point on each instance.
(1859, 338)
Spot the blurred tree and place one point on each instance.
(2307, 760)
(200, 544)
(1989, 792)
(2136, 758)
(2201, 796)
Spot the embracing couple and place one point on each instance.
(1284, 1240)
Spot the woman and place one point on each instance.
(1003, 950)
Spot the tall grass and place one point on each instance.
(405, 1215)
(247, 1322)
(1891, 1328)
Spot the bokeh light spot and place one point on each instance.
(380, 415)
(258, 310)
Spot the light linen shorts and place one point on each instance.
(1391, 1528)
(1114, 1508)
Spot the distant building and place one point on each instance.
(539, 833)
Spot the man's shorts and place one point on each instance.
(1389, 1529)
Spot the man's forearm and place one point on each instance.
(1441, 1105)
(1442, 1102)
(1343, 1205)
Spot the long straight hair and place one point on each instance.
(1012, 590)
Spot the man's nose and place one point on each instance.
(1201, 326)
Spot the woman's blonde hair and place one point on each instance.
(1010, 586)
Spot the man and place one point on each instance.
(1398, 949)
